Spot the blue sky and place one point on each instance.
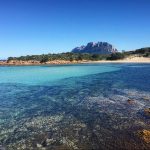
(52, 26)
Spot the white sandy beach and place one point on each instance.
(126, 60)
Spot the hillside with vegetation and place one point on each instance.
(69, 56)
(145, 52)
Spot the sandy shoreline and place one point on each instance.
(59, 62)
(127, 60)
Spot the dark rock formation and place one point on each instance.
(96, 48)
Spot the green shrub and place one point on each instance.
(116, 56)
(147, 54)
(44, 59)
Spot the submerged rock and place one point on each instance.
(39, 145)
(44, 143)
(145, 135)
(147, 111)
(130, 101)
(146, 98)
(50, 141)
(2, 148)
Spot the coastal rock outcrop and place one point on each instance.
(96, 48)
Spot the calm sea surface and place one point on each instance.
(71, 107)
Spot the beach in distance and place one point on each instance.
(57, 62)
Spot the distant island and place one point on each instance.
(92, 52)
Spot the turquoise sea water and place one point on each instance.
(41, 75)
(81, 106)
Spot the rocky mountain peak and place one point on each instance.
(96, 48)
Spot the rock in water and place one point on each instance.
(96, 48)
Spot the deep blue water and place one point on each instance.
(74, 106)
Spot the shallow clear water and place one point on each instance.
(41, 75)
(74, 106)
